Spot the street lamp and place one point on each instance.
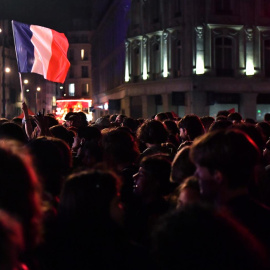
(38, 90)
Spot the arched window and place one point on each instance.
(224, 56)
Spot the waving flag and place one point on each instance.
(41, 50)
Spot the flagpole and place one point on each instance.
(21, 84)
(20, 75)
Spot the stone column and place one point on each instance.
(199, 50)
(249, 52)
(165, 102)
(248, 105)
(165, 54)
(144, 107)
(127, 62)
(126, 105)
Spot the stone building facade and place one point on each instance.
(186, 56)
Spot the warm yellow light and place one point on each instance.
(7, 69)
(27, 90)
(82, 54)
(38, 88)
(25, 81)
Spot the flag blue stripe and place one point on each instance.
(24, 46)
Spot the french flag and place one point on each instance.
(41, 50)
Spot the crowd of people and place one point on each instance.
(168, 192)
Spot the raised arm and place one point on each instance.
(28, 125)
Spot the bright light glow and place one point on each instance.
(127, 74)
(54, 100)
(0, 30)
(63, 106)
(106, 106)
(249, 68)
(27, 90)
(82, 54)
(144, 70)
(76, 100)
(89, 116)
(165, 68)
(200, 65)
(38, 88)
(61, 87)
(71, 89)
(25, 81)
(7, 69)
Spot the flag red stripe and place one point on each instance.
(58, 65)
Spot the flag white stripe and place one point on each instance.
(42, 41)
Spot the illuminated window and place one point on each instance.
(84, 55)
(71, 89)
(85, 89)
(267, 58)
(224, 56)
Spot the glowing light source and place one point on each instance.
(249, 68)
(25, 81)
(126, 74)
(106, 106)
(165, 68)
(200, 65)
(82, 54)
(7, 69)
(144, 70)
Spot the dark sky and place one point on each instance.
(55, 14)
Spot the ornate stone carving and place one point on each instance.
(199, 31)
(144, 41)
(249, 34)
(136, 44)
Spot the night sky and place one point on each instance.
(56, 14)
